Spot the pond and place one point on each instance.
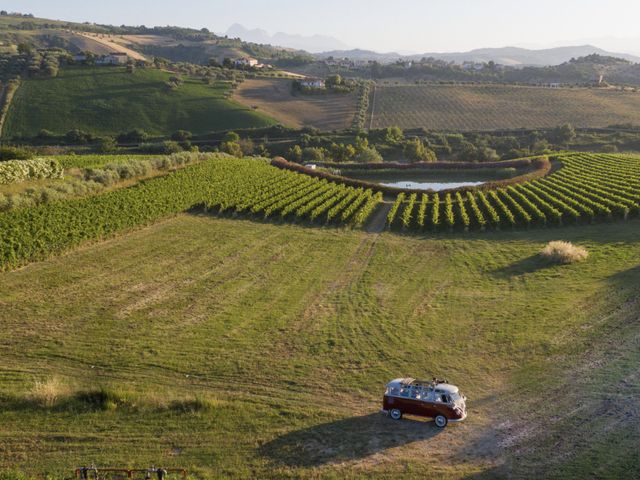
(435, 186)
(435, 180)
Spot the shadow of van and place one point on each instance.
(348, 439)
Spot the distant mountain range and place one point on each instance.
(312, 43)
(512, 56)
(324, 46)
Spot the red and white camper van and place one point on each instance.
(435, 399)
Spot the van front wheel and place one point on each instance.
(395, 414)
(441, 421)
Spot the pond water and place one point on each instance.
(435, 180)
(435, 186)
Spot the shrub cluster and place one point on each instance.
(13, 171)
(46, 194)
(115, 172)
(564, 252)
(14, 153)
(94, 180)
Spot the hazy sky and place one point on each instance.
(382, 25)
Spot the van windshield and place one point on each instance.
(455, 396)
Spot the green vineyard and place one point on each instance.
(585, 188)
(220, 184)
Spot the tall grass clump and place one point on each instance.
(563, 252)
(47, 393)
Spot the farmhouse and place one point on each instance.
(312, 83)
(116, 58)
(245, 62)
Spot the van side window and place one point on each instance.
(444, 399)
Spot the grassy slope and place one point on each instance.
(445, 107)
(109, 101)
(292, 332)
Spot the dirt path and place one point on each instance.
(116, 47)
(378, 220)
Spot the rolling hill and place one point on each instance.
(177, 44)
(511, 56)
(108, 100)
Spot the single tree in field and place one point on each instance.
(393, 135)
(468, 152)
(487, 154)
(565, 133)
(342, 153)
(181, 135)
(295, 154)
(232, 148)
(106, 144)
(313, 154)
(247, 146)
(368, 155)
(136, 135)
(362, 143)
(231, 137)
(333, 81)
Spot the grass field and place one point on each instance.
(446, 107)
(254, 350)
(274, 98)
(109, 100)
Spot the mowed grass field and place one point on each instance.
(490, 107)
(108, 100)
(274, 98)
(257, 350)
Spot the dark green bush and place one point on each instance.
(15, 153)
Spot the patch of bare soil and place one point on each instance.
(274, 97)
(370, 440)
